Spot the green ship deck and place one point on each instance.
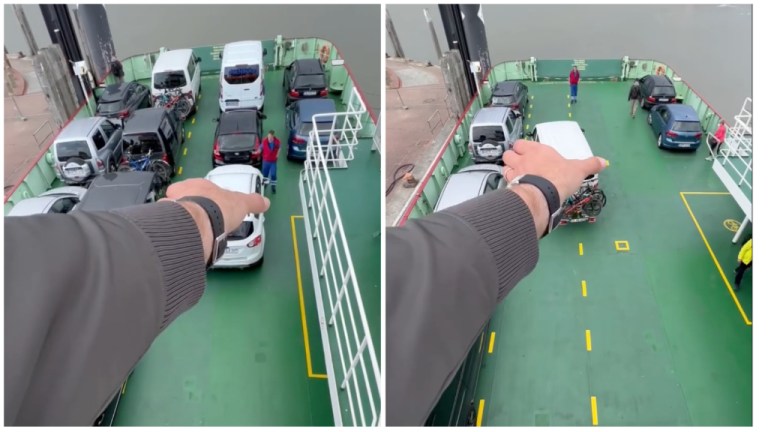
(250, 352)
(652, 335)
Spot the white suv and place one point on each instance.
(245, 245)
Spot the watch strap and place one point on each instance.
(550, 193)
(217, 225)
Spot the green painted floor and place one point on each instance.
(669, 345)
(239, 356)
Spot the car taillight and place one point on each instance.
(293, 93)
(165, 158)
(324, 92)
(123, 160)
(515, 106)
(100, 164)
(123, 114)
(298, 140)
(698, 135)
(651, 99)
(216, 153)
(671, 134)
(255, 242)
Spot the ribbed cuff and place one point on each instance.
(505, 223)
(176, 240)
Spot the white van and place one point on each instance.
(177, 69)
(240, 80)
(567, 138)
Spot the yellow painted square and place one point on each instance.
(622, 245)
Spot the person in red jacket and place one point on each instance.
(714, 144)
(270, 150)
(573, 79)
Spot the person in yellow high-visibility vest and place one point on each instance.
(745, 262)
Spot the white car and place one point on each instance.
(60, 200)
(245, 245)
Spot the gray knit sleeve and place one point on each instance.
(178, 249)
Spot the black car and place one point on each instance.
(304, 79)
(238, 138)
(655, 89)
(152, 135)
(121, 100)
(512, 94)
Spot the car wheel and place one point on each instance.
(643, 105)
(650, 120)
(659, 141)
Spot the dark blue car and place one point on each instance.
(298, 121)
(675, 126)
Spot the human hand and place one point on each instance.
(530, 157)
(234, 206)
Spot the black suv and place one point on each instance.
(121, 100)
(304, 79)
(656, 89)
(238, 138)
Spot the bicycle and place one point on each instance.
(174, 99)
(584, 205)
(144, 162)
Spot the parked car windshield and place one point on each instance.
(306, 128)
(663, 91)
(69, 149)
(502, 100)
(110, 107)
(169, 80)
(310, 81)
(236, 142)
(686, 126)
(482, 133)
(241, 74)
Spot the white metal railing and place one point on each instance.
(733, 164)
(376, 145)
(341, 138)
(350, 356)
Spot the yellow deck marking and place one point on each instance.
(712, 253)
(490, 344)
(527, 126)
(122, 391)
(189, 134)
(193, 120)
(569, 115)
(568, 105)
(621, 245)
(589, 340)
(480, 409)
(531, 96)
(529, 115)
(180, 170)
(530, 106)
(731, 225)
(581, 249)
(594, 411)
(185, 152)
(584, 288)
(301, 302)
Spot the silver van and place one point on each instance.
(493, 131)
(85, 148)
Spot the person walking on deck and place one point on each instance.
(634, 98)
(270, 150)
(717, 141)
(573, 79)
(745, 262)
(116, 68)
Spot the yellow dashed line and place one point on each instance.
(122, 391)
(529, 115)
(581, 249)
(531, 96)
(569, 115)
(480, 410)
(490, 344)
(584, 288)
(180, 170)
(567, 105)
(594, 411)
(185, 152)
(189, 134)
(589, 340)
(193, 120)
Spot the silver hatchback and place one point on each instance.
(470, 182)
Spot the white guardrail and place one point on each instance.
(350, 356)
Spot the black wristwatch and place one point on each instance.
(550, 194)
(217, 224)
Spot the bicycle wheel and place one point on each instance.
(595, 204)
(162, 169)
(183, 107)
